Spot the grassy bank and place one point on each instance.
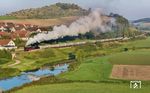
(35, 59)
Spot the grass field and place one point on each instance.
(138, 57)
(84, 88)
(99, 68)
(138, 43)
(92, 69)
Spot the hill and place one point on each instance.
(52, 11)
(142, 24)
(143, 20)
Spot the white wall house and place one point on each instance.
(7, 44)
(13, 29)
(11, 43)
(2, 28)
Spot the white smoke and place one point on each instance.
(83, 25)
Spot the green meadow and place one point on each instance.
(139, 57)
(91, 69)
(83, 88)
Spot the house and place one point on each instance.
(10, 24)
(2, 24)
(7, 44)
(19, 25)
(2, 28)
(12, 29)
(21, 34)
(42, 30)
(32, 29)
(7, 29)
(27, 25)
(4, 34)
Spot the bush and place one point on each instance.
(73, 66)
(126, 49)
(71, 56)
(19, 42)
(5, 56)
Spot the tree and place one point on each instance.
(89, 35)
(19, 42)
(72, 56)
(5, 56)
(123, 25)
(80, 55)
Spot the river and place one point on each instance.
(28, 77)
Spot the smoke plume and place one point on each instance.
(95, 20)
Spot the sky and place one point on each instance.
(131, 9)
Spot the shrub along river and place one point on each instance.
(28, 77)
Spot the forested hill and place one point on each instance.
(51, 11)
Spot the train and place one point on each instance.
(36, 45)
(31, 47)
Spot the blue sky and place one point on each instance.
(132, 9)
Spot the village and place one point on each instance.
(9, 32)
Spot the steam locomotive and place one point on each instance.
(31, 47)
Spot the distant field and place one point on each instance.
(132, 65)
(40, 22)
(84, 88)
(138, 57)
(131, 72)
(7, 17)
(138, 43)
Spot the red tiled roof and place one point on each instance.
(3, 33)
(21, 34)
(4, 42)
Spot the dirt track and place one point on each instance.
(131, 72)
